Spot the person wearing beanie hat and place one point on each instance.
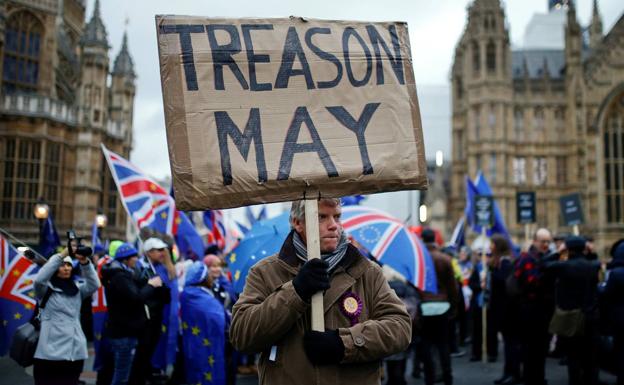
(126, 297)
(576, 286)
(612, 294)
(203, 328)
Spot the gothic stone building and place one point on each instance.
(60, 98)
(543, 120)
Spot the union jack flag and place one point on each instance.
(17, 296)
(391, 243)
(213, 219)
(149, 205)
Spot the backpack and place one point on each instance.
(26, 337)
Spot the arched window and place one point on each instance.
(22, 43)
(613, 141)
(476, 58)
(490, 52)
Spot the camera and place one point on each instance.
(81, 249)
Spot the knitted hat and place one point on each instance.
(124, 251)
(575, 243)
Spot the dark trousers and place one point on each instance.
(582, 352)
(618, 350)
(435, 336)
(396, 372)
(462, 318)
(477, 334)
(142, 369)
(513, 354)
(47, 372)
(535, 347)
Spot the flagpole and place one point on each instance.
(16, 240)
(314, 251)
(484, 307)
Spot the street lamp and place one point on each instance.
(422, 213)
(41, 212)
(101, 220)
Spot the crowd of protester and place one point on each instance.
(553, 298)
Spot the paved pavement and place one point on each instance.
(465, 373)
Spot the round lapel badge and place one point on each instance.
(351, 307)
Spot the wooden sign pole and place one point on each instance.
(527, 234)
(484, 308)
(575, 230)
(314, 251)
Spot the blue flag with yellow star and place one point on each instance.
(203, 336)
(17, 297)
(166, 348)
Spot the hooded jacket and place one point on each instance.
(270, 317)
(61, 337)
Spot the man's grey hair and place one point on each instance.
(297, 210)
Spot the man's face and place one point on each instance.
(542, 241)
(131, 262)
(330, 227)
(156, 255)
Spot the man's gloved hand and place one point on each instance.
(323, 348)
(312, 277)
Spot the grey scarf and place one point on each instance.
(333, 258)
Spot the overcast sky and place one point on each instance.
(434, 26)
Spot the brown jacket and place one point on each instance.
(270, 313)
(447, 285)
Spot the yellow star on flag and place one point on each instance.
(28, 282)
(206, 342)
(211, 360)
(98, 336)
(237, 275)
(184, 325)
(178, 220)
(195, 330)
(152, 187)
(31, 294)
(17, 273)
(28, 306)
(163, 328)
(163, 215)
(233, 258)
(17, 316)
(1, 271)
(208, 376)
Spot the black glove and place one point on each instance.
(312, 277)
(323, 348)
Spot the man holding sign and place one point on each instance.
(273, 110)
(365, 321)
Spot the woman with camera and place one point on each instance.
(62, 346)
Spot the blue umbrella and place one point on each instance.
(391, 243)
(265, 238)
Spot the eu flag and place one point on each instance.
(203, 336)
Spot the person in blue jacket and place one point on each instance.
(613, 295)
(203, 328)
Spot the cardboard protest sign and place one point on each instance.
(269, 110)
